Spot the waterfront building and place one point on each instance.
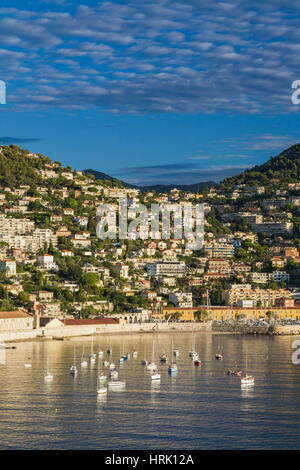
(15, 321)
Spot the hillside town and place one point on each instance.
(54, 267)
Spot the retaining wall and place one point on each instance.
(81, 330)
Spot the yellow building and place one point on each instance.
(225, 313)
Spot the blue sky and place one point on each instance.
(151, 92)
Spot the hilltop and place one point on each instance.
(285, 167)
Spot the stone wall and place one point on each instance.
(70, 331)
(257, 329)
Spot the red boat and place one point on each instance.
(236, 373)
(197, 362)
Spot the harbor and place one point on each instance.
(197, 407)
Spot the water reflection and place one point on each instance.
(199, 407)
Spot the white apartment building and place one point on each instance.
(9, 267)
(181, 299)
(47, 262)
(166, 268)
(122, 270)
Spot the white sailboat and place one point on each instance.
(101, 376)
(112, 365)
(100, 352)
(151, 365)
(84, 362)
(248, 379)
(193, 353)
(113, 374)
(92, 355)
(155, 377)
(48, 375)
(173, 366)
(144, 361)
(101, 389)
(73, 368)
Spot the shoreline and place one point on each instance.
(67, 332)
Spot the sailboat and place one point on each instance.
(48, 375)
(121, 359)
(102, 377)
(193, 353)
(109, 349)
(112, 365)
(73, 368)
(151, 365)
(219, 356)
(92, 355)
(155, 377)
(114, 374)
(83, 361)
(173, 366)
(248, 379)
(101, 389)
(144, 361)
(100, 352)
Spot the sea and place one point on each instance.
(196, 408)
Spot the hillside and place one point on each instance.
(283, 168)
(17, 167)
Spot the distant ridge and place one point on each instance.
(104, 177)
(158, 187)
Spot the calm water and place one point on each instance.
(200, 408)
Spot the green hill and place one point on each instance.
(283, 168)
(17, 167)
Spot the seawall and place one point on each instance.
(258, 329)
(82, 330)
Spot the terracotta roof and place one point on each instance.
(90, 321)
(15, 314)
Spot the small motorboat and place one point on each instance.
(197, 362)
(84, 363)
(48, 376)
(106, 364)
(144, 362)
(219, 357)
(176, 352)
(28, 365)
(236, 373)
(134, 353)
